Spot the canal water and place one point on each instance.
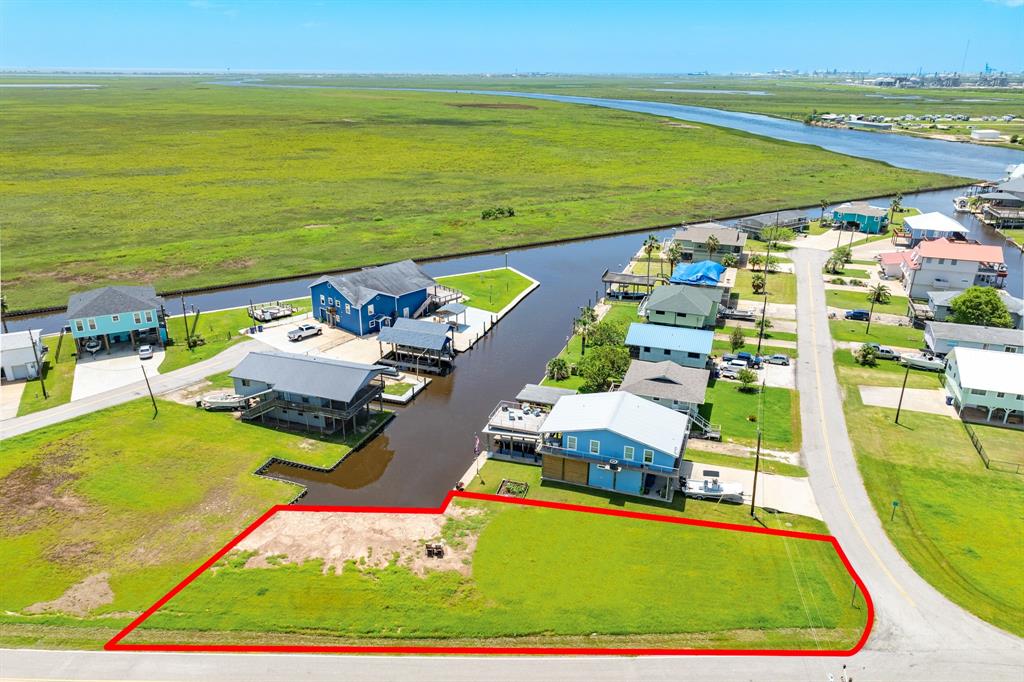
(421, 453)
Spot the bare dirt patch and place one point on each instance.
(189, 394)
(369, 539)
(677, 124)
(315, 226)
(491, 105)
(80, 598)
(40, 488)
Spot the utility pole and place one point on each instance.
(764, 308)
(150, 389)
(39, 365)
(757, 468)
(184, 319)
(900, 403)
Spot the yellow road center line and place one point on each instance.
(828, 452)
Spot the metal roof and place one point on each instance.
(415, 334)
(623, 413)
(1013, 304)
(861, 208)
(610, 277)
(113, 301)
(666, 380)
(951, 331)
(672, 338)
(542, 395)
(19, 340)
(394, 279)
(765, 219)
(311, 375)
(682, 299)
(933, 222)
(989, 370)
(452, 308)
(699, 233)
(1000, 195)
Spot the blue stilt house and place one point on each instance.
(363, 302)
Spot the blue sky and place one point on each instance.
(498, 37)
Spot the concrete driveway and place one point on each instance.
(102, 372)
(277, 336)
(788, 494)
(10, 398)
(930, 400)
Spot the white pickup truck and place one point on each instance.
(304, 331)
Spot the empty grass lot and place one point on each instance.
(721, 347)
(539, 577)
(573, 351)
(856, 300)
(769, 334)
(768, 465)
(883, 334)
(725, 404)
(139, 500)
(490, 290)
(848, 273)
(966, 545)
(262, 183)
(781, 287)
(58, 376)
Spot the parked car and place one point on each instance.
(93, 345)
(749, 358)
(731, 370)
(304, 331)
(861, 315)
(145, 352)
(884, 353)
(778, 359)
(922, 361)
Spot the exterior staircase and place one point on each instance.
(702, 428)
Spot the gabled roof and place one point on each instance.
(861, 208)
(769, 219)
(623, 413)
(672, 338)
(1013, 186)
(1013, 304)
(112, 301)
(682, 299)
(311, 375)
(395, 279)
(989, 370)
(951, 331)
(666, 380)
(705, 272)
(542, 395)
(415, 334)
(943, 248)
(933, 222)
(699, 233)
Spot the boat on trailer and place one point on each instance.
(714, 489)
(222, 401)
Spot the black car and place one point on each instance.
(861, 315)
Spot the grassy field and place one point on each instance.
(491, 290)
(721, 347)
(262, 183)
(967, 546)
(538, 575)
(857, 300)
(573, 351)
(848, 273)
(781, 287)
(115, 497)
(885, 373)
(770, 334)
(883, 334)
(725, 404)
(58, 376)
(770, 466)
(219, 329)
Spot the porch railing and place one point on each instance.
(547, 447)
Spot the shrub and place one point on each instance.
(558, 369)
(838, 280)
(497, 213)
(748, 380)
(865, 356)
(736, 339)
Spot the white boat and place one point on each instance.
(962, 205)
(714, 489)
(928, 362)
(222, 401)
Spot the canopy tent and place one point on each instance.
(701, 273)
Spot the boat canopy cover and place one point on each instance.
(705, 272)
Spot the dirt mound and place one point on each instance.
(80, 598)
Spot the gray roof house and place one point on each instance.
(694, 240)
(794, 220)
(394, 279)
(681, 305)
(311, 391)
(938, 304)
(116, 314)
(942, 337)
(112, 301)
(666, 383)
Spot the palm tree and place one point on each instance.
(876, 294)
(584, 325)
(895, 205)
(755, 261)
(713, 245)
(651, 244)
(834, 264)
(674, 254)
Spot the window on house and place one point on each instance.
(647, 349)
(246, 382)
(348, 309)
(693, 355)
(648, 456)
(595, 447)
(323, 299)
(942, 261)
(570, 442)
(149, 316)
(952, 261)
(1000, 395)
(138, 317)
(667, 351)
(92, 324)
(79, 326)
(369, 309)
(330, 301)
(628, 453)
(115, 318)
(1010, 349)
(978, 391)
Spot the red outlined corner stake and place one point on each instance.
(115, 644)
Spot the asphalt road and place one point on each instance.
(918, 634)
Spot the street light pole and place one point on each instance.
(900, 403)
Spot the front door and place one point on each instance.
(405, 312)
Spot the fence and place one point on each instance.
(997, 464)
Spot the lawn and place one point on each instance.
(966, 545)
(726, 405)
(263, 183)
(858, 300)
(885, 373)
(539, 576)
(573, 351)
(490, 290)
(397, 388)
(219, 330)
(768, 465)
(139, 500)
(781, 287)
(883, 334)
(750, 332)
(722, 347)
(58, 377)
(847, 273)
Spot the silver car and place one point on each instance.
(145, 352)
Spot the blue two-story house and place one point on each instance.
(614, 441)
(117, 314)
(657, 343)
(362, 302)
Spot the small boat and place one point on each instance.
(714, 490)
(921, 361)
(222, 401)
(962, 205)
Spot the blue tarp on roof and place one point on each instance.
(705, 273)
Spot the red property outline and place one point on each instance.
(115, 643)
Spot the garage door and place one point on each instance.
(576, 471)
(552, 467)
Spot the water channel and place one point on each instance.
(422, 452)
